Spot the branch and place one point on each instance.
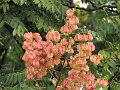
(92, 3)
(95, 8)
(9, 30)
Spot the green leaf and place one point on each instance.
(1, 23)
(16, 1)
(4, 8)
(51, 87)
(7, 6)
(118, 6)
(111, 63)
(15, 78)
(104, 53)
(22, 2)
(14, 32)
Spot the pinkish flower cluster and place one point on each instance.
(83, 37)
(80, 76)
(41, 55)
(71, 22)
(53, 36)
(102, 82)
(96, 58)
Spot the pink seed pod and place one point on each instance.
(71, 41)
(69, 13)
(64, 41)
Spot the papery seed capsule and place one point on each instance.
(69, 13)
(39, 75)
(54, 81)
(71, 41)
(64, 29)
(30, 69)
(49, 36)
(58, 88)
(90, 37)
(64, 41)
(36, 63)
(73, 20)
(74, 27)
(28, 35)
(56, 36)
(69, 49)
(102, 82)
(78, 37)
(100, 56)
(37, 36)
(29, 76)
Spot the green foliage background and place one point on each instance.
(20, 16)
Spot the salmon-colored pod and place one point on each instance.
(29, 76)
(76, 62)
(40, 75)
(53, 35)
(90, 85)
(27, 64)
(65, 63)
(87, 37)
(26, 44)
(72, 28)
(67, 24)
(37, 36)
(64, 41)
(61, 48)
(75, 27)
(49, 36)
(56, 36)
(30, 69)
(58, 88)
(95, 59)
(84, 37)
(73, 20)
(69, 13)
(70, 49)
(34, 44)
(56, 61)
(78, 37)
(91, 46)
(36, 63)
(54, 81)
(28, 35)
(102, 82)
(84, 68)
(100, 56)
(85, 53)
(50, 55)
(82, 47)
(71, 41)
(25, 57)
(90, 37)
(64, 29)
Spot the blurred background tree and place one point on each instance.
(100, 17)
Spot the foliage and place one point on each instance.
(20, 16)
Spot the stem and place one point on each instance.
(60, 74)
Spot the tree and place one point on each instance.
(20, 16)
